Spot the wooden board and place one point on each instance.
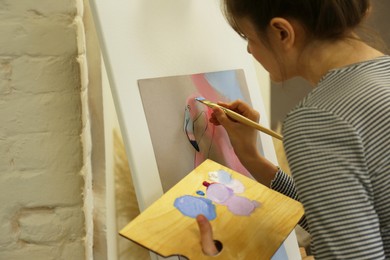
(165, 230)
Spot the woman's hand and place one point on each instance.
(243, 138)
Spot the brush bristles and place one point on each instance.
(200, 99)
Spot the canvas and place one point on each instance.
(179, 127)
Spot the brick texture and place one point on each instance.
(41, 153)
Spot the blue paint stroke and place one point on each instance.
(192, 206)
(199, 192)
(225, 82)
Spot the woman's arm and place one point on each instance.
(244, 140)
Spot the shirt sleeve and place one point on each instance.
(284, 184)
(326, 157)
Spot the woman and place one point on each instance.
(337, 140)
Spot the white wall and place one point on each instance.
(41, 132)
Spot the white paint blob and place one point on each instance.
(223, 190)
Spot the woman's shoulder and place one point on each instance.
(345, 98)
(349, 87)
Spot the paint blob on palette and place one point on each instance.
(192, 206)
(221, 189)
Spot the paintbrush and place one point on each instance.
(240, 118)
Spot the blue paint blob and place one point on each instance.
(199, 192)
(192, 206)
(224, 177)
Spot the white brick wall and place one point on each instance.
(41, 156)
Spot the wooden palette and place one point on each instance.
(165, 230)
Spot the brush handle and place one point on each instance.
(246, 121)
(240, 118)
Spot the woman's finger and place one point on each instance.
(242, 108)
(206, 236)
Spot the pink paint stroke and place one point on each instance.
(217, 135)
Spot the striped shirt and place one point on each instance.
(337, 142)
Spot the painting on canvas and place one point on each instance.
(179, 127)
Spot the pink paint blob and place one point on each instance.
(223, 192)
(241, 206)
(218, 193)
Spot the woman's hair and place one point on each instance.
(322, 19)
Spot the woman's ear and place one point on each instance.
(283, 32)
